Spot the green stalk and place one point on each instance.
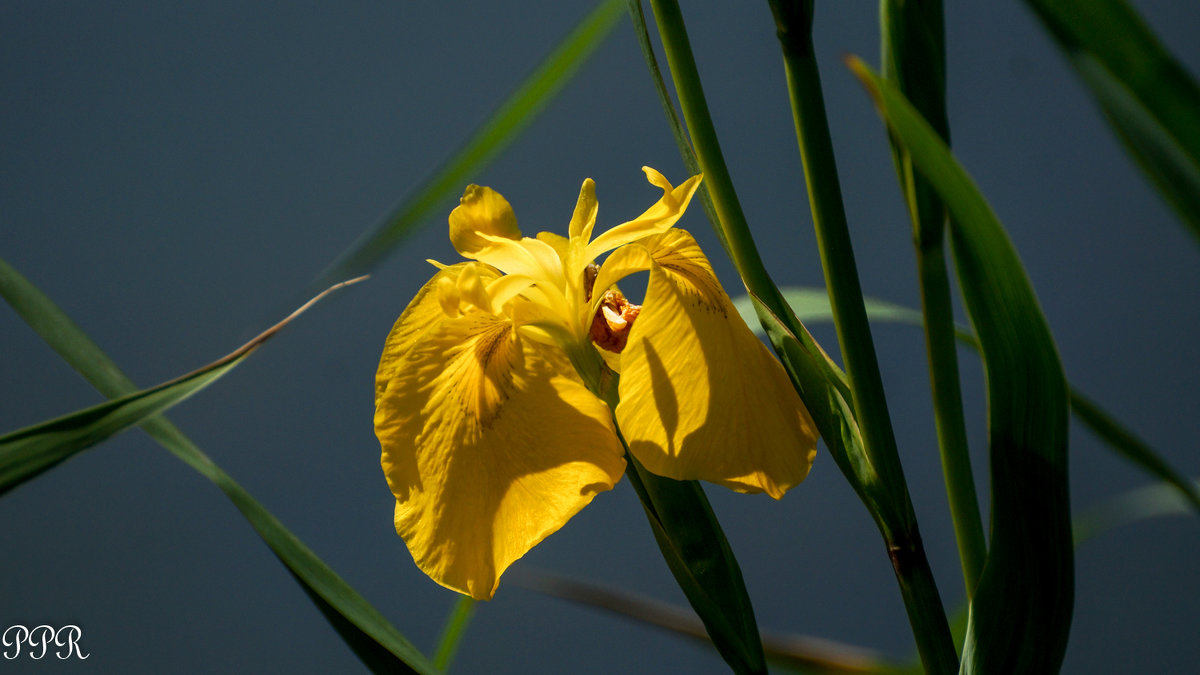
(837, 254)
(456, 625)
(914, 58)
(736, 233)
(894, 516)
(794, 23)
(948, 412)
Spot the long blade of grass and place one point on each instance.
(510, 119)
(1147, 96)
(698, 554)
(372, 638)
(1021, 612)
(27, 452)
(677, 131)
(811, 305)
(691, 541)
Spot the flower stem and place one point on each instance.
(914, 58)
(948, 413)
(793, 20)
(896, 521)
(733, 228)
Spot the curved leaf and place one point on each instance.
(375, 641)
(28, 452)
(1021, 613)
(694, 547)
(1147, 96)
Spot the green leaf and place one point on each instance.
(1147, 96)
(376, 642)
(1131, 447)
(28, 452)
(811, 305)
(510, 119)
(823, 386)
(699, 556)
(1021, 613)
(452, 632)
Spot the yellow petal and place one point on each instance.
(623, 262)
(584, 217)
(558, 242)
(701, 397)
(490, 444)
(484, 228)
(481, 210)
(656, 219)
(436, 301)
(524, 256)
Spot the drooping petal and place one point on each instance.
(489, 444)
(701, 397)
(656, 219)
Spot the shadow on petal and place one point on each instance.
(701, 397)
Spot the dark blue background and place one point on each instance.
(174, 174)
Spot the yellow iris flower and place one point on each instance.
(488, 399)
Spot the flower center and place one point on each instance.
(611, 324)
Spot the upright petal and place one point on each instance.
(656, 219)
(584, 217)
(484, 228)
(489, 444)
(701, 397)
(481, 210)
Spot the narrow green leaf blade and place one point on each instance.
(1147, 96)
(25, 453)
(375, 641)
(28, 452)
(699, 556)
(510, 119)
(1021, 613)
(452, 632)
(1132, 448)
